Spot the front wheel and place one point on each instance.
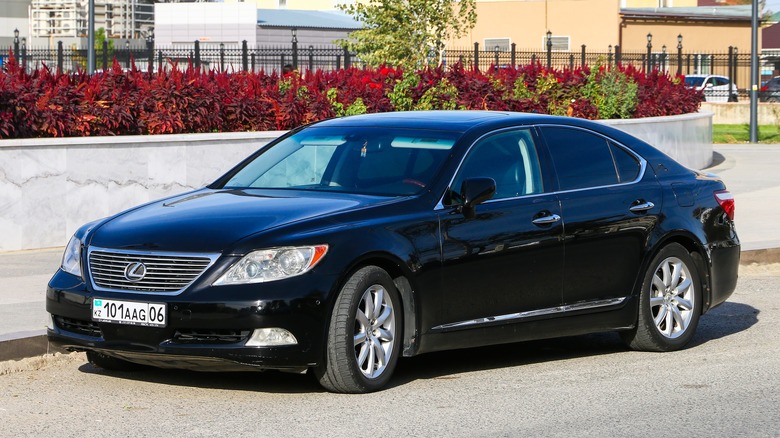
(670, 302)
(364, 336)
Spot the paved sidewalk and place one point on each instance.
(750, 172)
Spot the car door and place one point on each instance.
(610, 203)
(507, 260)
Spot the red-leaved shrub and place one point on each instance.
(183, 99)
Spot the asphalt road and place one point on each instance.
(726, 384)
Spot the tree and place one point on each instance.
(407, 32)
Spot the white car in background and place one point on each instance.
(716, 88)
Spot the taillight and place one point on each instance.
(726, 201)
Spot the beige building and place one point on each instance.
(599, 24)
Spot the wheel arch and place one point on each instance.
(698, 252)
(403, 280)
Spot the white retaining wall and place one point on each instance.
(50, 187)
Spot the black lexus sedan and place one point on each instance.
(348, 243)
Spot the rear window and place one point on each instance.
(694, 81)
(584, 159)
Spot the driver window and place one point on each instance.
(510, 159)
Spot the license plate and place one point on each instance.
(129, 312)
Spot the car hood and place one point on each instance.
(211, 221)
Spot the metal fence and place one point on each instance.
(730, 63)
(223, 57)
(219, 57)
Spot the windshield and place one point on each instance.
(373, 161)
(694, 81)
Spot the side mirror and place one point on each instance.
(475, 191)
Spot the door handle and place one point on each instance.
(642, 207)
(547, 220)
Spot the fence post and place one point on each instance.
(731, 69)
(197, 54)
(736, 64)
(221, 56)
(311, 58)
(347, 60)
(244, 56)
(338, 62)
(24, 54)
(571, 61)
(476, 56)
(253, 62)
(514, 54)
(688, 64)
(533, 58)
(617, 55)
(59, 56)
(549, 50)
(104, 55)
(150, 51)
(495, 53)
(582, 61)
(159, 61)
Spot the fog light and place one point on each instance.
(269, 337)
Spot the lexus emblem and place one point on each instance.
(135, 272)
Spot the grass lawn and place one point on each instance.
(741, 134)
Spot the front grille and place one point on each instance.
(88, 328)
(188, 336)
(164, 272)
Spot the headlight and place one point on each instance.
(71, 260)
(273, 264)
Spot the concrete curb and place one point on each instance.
(22, 345)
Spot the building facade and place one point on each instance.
(14, 15)
(66, 20)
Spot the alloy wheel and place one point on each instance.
(375, 328)
(672, 297)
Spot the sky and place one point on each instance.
(773, 5)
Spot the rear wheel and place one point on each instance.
(670, 302)
(111, 363)
(364, 335)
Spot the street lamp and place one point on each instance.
(127, 51)
(679, 54)
(16, 44)
(649, 52)
(295, 48)
(549, 49)
(609, 56)
(222, 56)
(150, 48)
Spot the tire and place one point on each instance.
(669, 303)
(110, 363)
(364, 335)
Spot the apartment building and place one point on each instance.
(66, 20)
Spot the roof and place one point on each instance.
(301, 19)
(704, 13)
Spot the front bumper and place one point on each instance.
(202, 333)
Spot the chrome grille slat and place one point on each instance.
(168, 273)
